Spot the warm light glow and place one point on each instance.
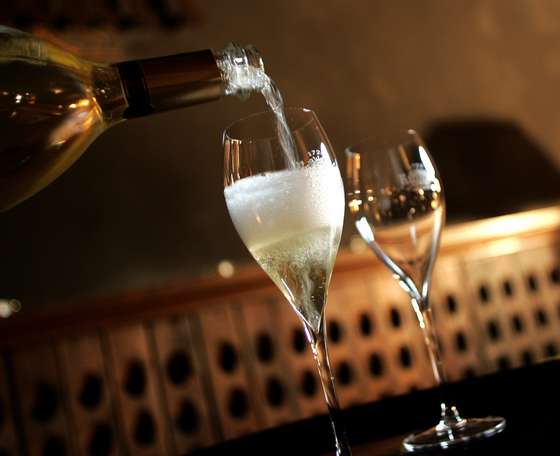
(504, 247)
(226, 269)
(502, 227)
(83, 103)
(354, 205)
(8, 307)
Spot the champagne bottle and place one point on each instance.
(54, 104)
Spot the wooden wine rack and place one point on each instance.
(169, 371)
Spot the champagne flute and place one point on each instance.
(395, 196)
(286, 199)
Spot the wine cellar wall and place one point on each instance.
(174, 371)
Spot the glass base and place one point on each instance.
(441, 437)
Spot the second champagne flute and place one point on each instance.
(288, 208)
(395, 197)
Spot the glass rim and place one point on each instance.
(299, 109)
(384, 141)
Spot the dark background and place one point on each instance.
(144, 206)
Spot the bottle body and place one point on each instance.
(53, 104)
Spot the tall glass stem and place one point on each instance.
(450, 418)
(318, 342)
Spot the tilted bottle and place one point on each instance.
(54, 104)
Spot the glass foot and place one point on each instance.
(467, 430)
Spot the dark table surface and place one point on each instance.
(529, 399)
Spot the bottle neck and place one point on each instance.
(164, 83)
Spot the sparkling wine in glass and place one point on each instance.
(288, 208)
(395, 197)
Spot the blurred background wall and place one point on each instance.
(144, 206)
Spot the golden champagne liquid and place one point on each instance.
(301, 264)
(49, 114)
(291, 222)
